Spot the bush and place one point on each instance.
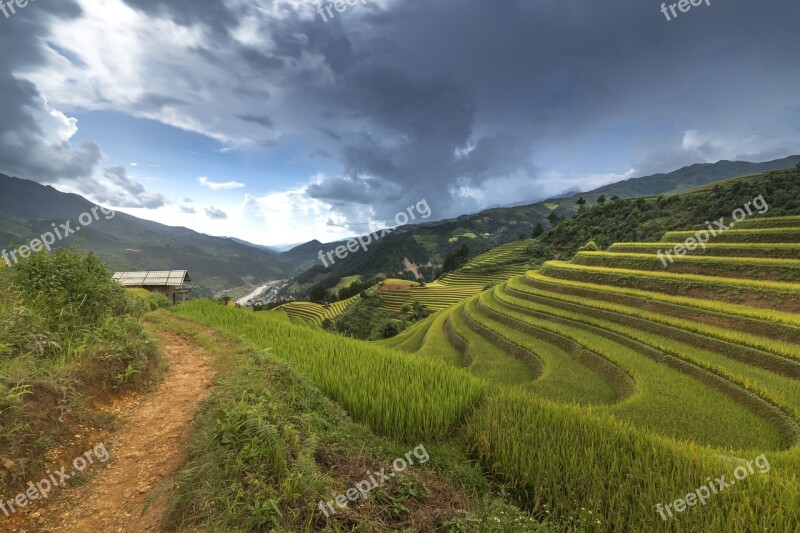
(70, 289)
(67, 331)
(144, 300)
(540, 251)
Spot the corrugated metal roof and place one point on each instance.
(153, 278)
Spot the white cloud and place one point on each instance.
(215, 186)
(216, 214)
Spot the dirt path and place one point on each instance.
(149, 448)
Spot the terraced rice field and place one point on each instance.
(613, 386)
(494, 266)
(503, 262)
(703, 352)
(314, 313)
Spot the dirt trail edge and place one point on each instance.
(149, 448)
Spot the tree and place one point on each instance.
(522, 236)
(538, 230)
(318, 294)
(602, 199)
(389, 330)
(419, 311)
(553, 218)
(581, 202)
(614, 198)
(455, 259)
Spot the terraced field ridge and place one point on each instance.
(314, 313)
(494, 266)
(706, 349)
(593, 390)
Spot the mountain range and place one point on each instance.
(125, 242)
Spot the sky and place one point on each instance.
(282, 121)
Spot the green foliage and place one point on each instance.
(615, 475)
(69, 288)
(456, 259)
(540, 251)
(318, 294)
(365, 320)
(389, 330)
(648, 219)
(148, 300)
(66, 329)
(419, 312)
(496, 517)
(357, 287)
(396, 394)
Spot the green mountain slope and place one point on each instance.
(28, 209)
(427, 245)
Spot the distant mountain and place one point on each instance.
(124, 242)
(690, 177)
(305, 255)
(410, 247)
(272, 249)
(28, 209)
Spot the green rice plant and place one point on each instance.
(733, 249)
(776, 286)
(568, 464)
(784, 386)
(783, 349)
(407, 397)
(773, 397)
(664, 393)
(784, 270)
(770, 222)
(778, 235)
(767, 315)
(438, 340)
(487, 360)
(757, 293)
(571, 374)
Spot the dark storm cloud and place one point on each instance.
(502, 77)
(31, 144)
(34, 137)
(441, 99)
(351, 190)
(261, 120)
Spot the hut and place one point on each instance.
(167, 282)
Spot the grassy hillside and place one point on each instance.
(69, 336)
(690, 369)
(648, 219)
(124, 242)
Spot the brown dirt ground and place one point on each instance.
(125, 495)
